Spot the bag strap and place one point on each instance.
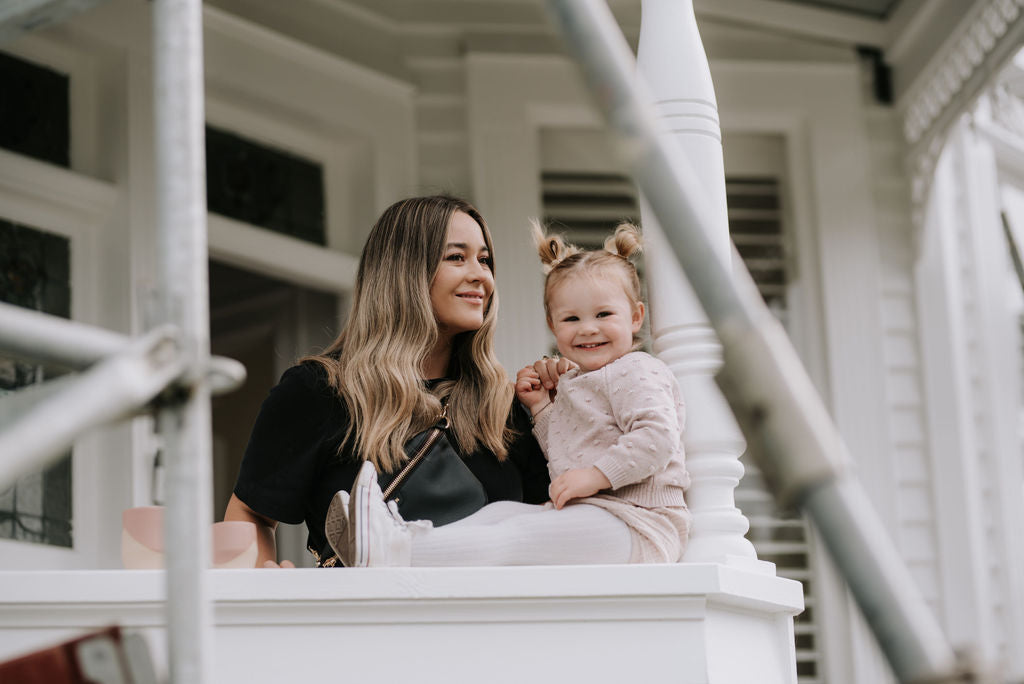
(410, 465)
(328, 559)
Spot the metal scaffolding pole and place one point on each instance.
(182, 276)
(786, 424)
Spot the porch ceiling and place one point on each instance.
(849, 22)
(878, 9)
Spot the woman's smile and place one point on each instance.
(463, 283)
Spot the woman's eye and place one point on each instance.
(487, 261)
(455, 257)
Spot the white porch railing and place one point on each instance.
(689, 623)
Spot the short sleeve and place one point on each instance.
(299, 426)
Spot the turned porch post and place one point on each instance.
(672, 61)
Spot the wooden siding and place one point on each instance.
(914, 529)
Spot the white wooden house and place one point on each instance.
(873, 153)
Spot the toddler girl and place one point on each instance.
(611, 433)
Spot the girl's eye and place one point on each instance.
(570, 319)
(604, 314)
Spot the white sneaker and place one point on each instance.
(379, 536)
(337, 530)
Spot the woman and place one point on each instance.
(421, 329)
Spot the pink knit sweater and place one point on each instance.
(627, 420)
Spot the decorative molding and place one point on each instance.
(956, 75)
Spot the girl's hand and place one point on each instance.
(577, 484)
(550, 369)
(530, 391)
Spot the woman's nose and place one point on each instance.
(478, 272)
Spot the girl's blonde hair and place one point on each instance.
(560, 260)
(375, 364)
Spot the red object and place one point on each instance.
(95, 658)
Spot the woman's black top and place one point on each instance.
(292, 467)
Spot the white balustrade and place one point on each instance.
(672, 61)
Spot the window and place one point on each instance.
(34, 111)
(34, 273)
(265, 187)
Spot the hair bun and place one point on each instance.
(552, 249)
(625, 242)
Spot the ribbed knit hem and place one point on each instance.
(651, 495)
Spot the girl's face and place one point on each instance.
(593, 320)
(462, 287)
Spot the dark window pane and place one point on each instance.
(269, 188)
(34, 111)
(35, 274)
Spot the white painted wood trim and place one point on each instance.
(664, 623)
(504, 132)
(77, 207)
(280, 256)
(69, 199)
(999, 396)
(813, 22)
(217, 22)
(951, 431)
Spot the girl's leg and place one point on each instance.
(521, 534)
(365, 530)
(498, 512)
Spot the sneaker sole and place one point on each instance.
(336, 527)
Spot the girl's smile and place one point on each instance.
(593, 320)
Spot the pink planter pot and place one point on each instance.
(142, 541)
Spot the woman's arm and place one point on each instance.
(265, 527)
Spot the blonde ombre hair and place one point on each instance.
(375, 364)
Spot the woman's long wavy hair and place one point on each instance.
(375, 364)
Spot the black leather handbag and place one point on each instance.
(435, 484)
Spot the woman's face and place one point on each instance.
(463, 285)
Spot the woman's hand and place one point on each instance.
(530, 390)
(535, 385)
(265, 541)
(284, 564)
(577, 484)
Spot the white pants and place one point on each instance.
(513, 533)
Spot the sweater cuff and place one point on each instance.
(617, 472)
(540, 427)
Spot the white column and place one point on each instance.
(671, 59)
